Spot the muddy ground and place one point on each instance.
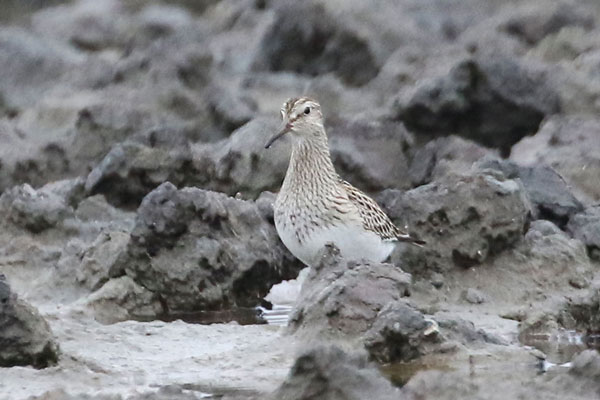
(138, 255)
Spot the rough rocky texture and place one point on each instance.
(200, 250)
(30, 64)
(493, 101)
(241, 163)
(400, 333)
(549, 194)
(587, 364)
(25, 337)
(305, 38)
(372, 155)
(341, 298)
(498, 384)
(328, 373)
(125, 95)
(570, 145)
(474, 296)
(585, 226)
(93, 264)
(469, 218)
(455, 329)
(121, 299)
(443, 156)
(583, 310)
(36, 210)
(553, 254)
(131, 170)
(90, 90)
(531, 25)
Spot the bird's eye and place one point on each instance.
(307, 110)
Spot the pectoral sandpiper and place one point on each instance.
(316, 207)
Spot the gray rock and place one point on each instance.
(474, 296)
(238, 164)
(34, 210)
(25, 337)
(549, 253)
(306, 39)
(513, 384)
(328, 373)
(201, 250)
(82, 130)
(586, 364)
(131, 170)
(343, 297)
(455, 328)
(93, 209)
(549, 194)
(441, 385)
(583, 308)
(532, 24)
(372, 155)
(229, 108)
(569, 144)
(88, 26)
(466, 219)
(552, 259)
(400, 333)
(121, 299)
(443, 156)
(542, 228)
(92, 265)
(494, 101)
(241, 163)
(160, 20)
(585, 226)
(31, 65)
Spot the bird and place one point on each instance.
(315, 207)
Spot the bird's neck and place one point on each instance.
(310, 165)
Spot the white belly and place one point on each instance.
(353, 242)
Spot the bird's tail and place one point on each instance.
(414, 241)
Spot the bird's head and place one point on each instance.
(302, 118)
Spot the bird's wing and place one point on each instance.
(374, 219)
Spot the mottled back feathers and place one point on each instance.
(373, 217)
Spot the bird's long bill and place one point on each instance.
(285, 129)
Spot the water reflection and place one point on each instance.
(561, 345)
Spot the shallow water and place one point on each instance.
(400, 373)
(241, 315)
(561, 346)
(277, 315)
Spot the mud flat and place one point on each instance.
(136, 226)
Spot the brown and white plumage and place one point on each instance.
(315, 206)
(373, 217)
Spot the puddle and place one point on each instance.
(241, 315)
(561, 346)
(400, 373)
(277, 315)
(274, 310)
